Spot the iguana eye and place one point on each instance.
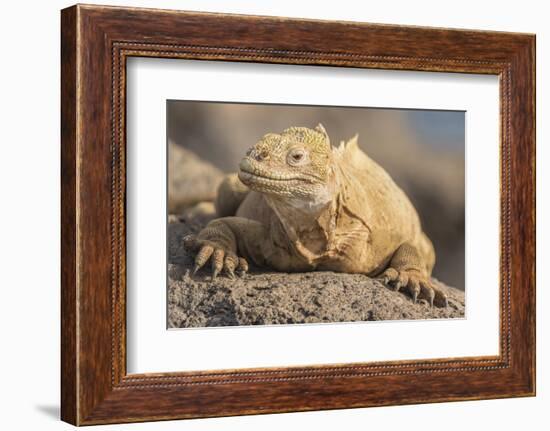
(297, 157)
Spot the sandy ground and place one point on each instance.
(266, 297)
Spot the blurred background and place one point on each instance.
(422, 150)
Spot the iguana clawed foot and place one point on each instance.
(416, 284)
(221, 258)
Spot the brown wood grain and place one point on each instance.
(96, 41)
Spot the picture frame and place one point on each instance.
(96, 42)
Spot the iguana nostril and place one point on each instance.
(262, 154)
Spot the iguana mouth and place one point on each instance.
(250, 171)
(245, 175)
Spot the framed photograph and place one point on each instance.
(264, 215)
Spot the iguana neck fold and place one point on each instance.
(311, 227)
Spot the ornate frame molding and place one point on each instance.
(96, 41)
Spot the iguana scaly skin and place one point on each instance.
(298, 204)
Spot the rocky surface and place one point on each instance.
(262, 298)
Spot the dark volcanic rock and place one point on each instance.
(268, 297)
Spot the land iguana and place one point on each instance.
(297, 204)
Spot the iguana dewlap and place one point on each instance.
(298, 204)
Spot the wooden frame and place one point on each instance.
(96, 41)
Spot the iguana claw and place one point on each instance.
(417, 285)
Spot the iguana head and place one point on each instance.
(294, 165)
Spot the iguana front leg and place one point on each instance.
(407, 270)
(225, 242)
